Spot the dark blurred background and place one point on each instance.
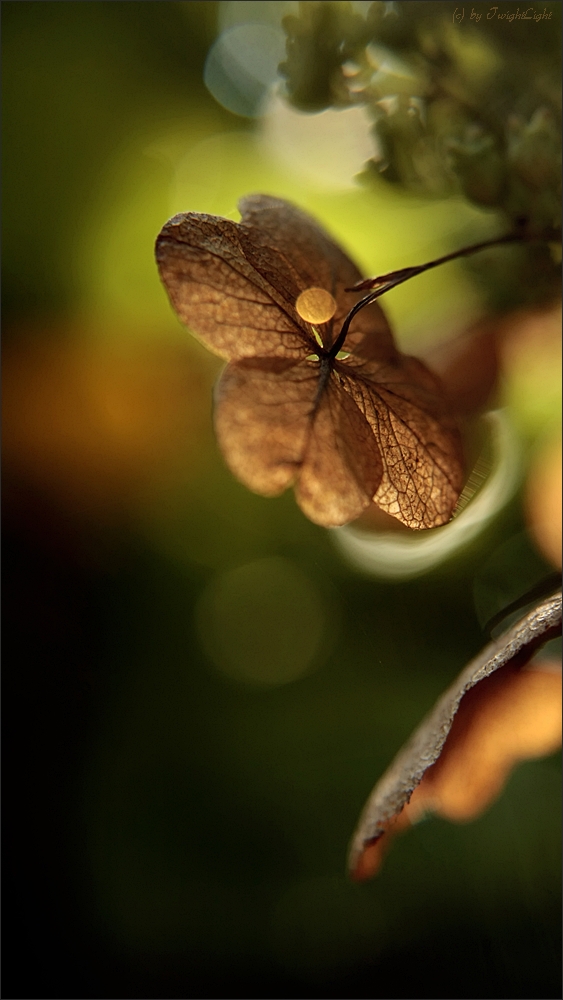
(199, 691)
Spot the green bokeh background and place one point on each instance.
(173, 829)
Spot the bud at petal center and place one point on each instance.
(316, 305)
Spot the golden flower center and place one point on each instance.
(316, 305)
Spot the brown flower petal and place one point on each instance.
(273, 426)
(342, 464)
(469, 366)
(515, 714)
(319, 261)
(421, 449)
(237, 286)
(458, 758)
(543, 499)
(239, 308)
(298, 239)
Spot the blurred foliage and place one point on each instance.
(463, 99)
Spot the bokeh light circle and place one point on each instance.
(242, 65)
(262, 623)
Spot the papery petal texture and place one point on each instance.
(345, 430)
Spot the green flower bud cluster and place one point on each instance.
(464, 99)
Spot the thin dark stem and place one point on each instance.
(337, 346)
(396, 277)
(387, 281)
